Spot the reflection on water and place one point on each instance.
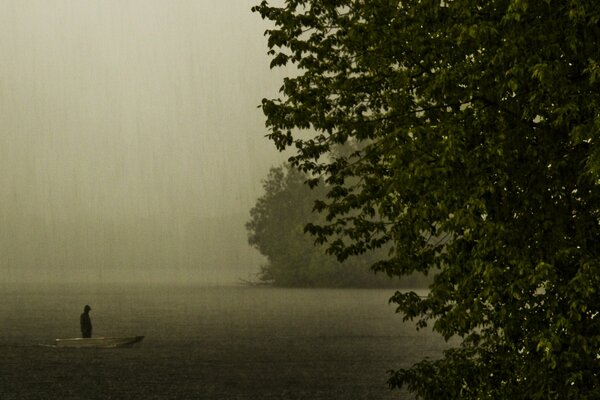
(217, 342)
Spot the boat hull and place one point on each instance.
(99, 342)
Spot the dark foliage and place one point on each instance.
(480, 125)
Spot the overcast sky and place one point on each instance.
(118, 109)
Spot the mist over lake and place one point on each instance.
(131, 151)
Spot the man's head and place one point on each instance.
(87, 308)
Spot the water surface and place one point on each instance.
(206, 343)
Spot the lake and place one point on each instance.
(206, 343)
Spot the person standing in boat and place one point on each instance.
(86, 322)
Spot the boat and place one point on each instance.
(99, 342)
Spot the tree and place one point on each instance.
(276, 230)
(481, 124)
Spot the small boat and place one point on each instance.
(99, 342)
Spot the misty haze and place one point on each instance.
(132, 147)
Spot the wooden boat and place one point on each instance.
(99, 342)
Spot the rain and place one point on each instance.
(131, 146)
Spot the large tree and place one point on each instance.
(481, 159)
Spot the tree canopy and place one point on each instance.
(481, 159)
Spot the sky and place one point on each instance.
(130, 133)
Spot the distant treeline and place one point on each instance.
(276, 230)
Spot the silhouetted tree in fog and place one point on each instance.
(277, 229)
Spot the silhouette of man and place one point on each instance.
(86, 322)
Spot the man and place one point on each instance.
(86, 322)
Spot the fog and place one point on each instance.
(131, 145)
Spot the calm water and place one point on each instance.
(206, 343)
